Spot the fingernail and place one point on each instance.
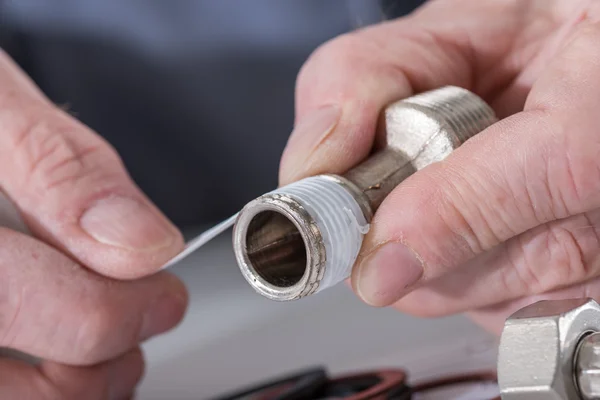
(386, 274)
(127, 223)
(309, 133)
(163, 314)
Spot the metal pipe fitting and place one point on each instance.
(305, 237)
(550, 350)
(587, 367)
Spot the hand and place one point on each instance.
(67, 294)
(512, 216)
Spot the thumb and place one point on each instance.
(344, 85)
(537, 166)
(71, 187)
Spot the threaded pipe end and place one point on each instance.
(465, 113)
(301, 238)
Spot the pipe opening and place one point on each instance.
(275, 249)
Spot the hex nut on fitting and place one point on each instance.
(538, 349)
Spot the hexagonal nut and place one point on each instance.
(537, 347)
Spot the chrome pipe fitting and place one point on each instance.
(550, 350)
(306, 236)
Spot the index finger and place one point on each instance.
(345, 84)
(71, 187)
(538, 166)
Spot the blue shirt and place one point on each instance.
(196, 95)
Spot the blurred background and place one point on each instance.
(196, 95)
(198, 98)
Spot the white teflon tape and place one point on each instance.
(201, 240)
(340, 220)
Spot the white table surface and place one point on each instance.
(231, 336)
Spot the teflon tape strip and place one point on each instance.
(201, 240)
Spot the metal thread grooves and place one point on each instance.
(340, 220)
(465, 113)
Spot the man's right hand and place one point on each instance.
(81, 293)
(513, 215)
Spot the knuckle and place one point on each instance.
(103, 333)
(345, 52)
(565, 256)
(340, 48)
(92, 335)
(550, 257)
(447, 236)
(455, 219)
(570, 171)
(55, 151)
(521, 272)
(579, 182)
(335, 50)
(11, 300)
(464, 218)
